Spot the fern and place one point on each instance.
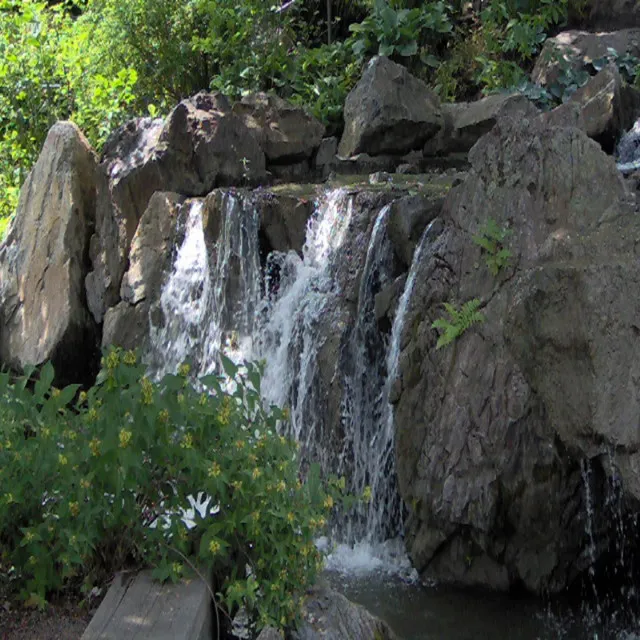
(458, 322)
(491, 239)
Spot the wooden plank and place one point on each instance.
(138, 608)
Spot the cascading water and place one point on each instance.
(209, 298)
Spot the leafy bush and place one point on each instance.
(400, 32)
(51, 71)
(97, 481)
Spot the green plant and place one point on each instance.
(491, 239)
(135, 472)
(458, 322)
(389, 32)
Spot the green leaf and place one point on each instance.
(230, 368)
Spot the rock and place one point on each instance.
(269, 633)
(201, 145)
(326, 153)
(613, 14)
(298, 172)
(127, 323)
(408, 219)
(328, 615)
(284, 215)
(608, 107)
(43, 262)
(386, 302)
(466, 122)
(490, 458)
(389, 111)
(285, 132)
(577, 48)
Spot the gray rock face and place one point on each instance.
(580, 47)
(466, 122)
(127, 323)
(608, 107)
(285, 132)
(614, 14)
(201, 145)
(43, 261)
(493, 430)
(388, 111)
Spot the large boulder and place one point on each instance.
(389, 111)
(607, 15)
(466, 122)
(43, 261)
(608, 107)
(328, 615)
(285, 132)
(574, 49)
(510, 437)
(201, 145)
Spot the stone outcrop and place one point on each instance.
(201, 145)
(44, 259)
(607, 106)
(497, 432)
(577, 48)
(389, 111)
(285, 132)
(466, 122)
(608, 15)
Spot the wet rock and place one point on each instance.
(329, 615)
(388, 112)
(466, 122)
(408, 219)
(490, 455)
(43, 262)
(604, 15)
(286, 133)
(386, 302)
(326, 153)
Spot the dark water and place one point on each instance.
(438, 613)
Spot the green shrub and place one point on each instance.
(50, 71)
(97, 481)
(492, 240)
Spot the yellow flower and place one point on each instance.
(85, 484)
(283, 440)
(290, 517)
(214, 470)
(92, 414)
(342, 483)
(74, 509)
(94, 445)
(181, 398)
(256, 473)
(366, 494)
(203, 399)
(255, 516)
(130, 358)
(187, 441)
(321, 522)
(328, 502)
(252, 458)
(237, 484)
(146, 390)
(281, 486)
(214, 547)
(8, 444)
(124, 437)
(225, 411)
(28, 536)
(239, 444)
(62, 459)
(184, 370)
(82, 398)
(32, 560)
(113, 359)
(163, 416)
(177, 568)
(55, 392)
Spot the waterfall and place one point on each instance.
(208, 301)
(290, 341)
(214, 299)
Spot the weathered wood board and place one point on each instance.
(138, 608)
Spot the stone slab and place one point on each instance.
(139, 608)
